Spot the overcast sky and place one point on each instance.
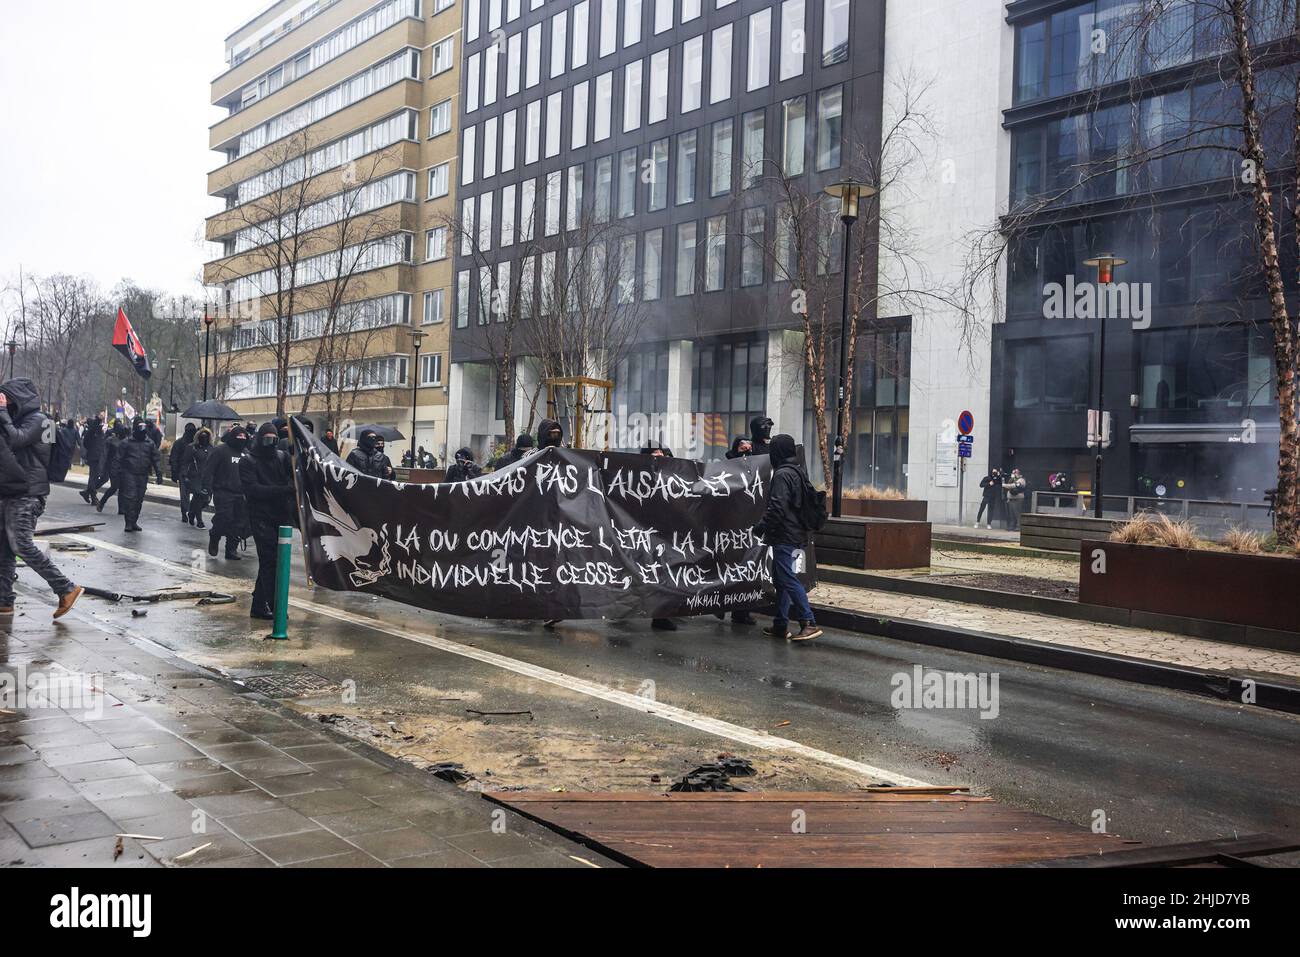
(104, 116)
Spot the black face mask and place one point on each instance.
(238, 444)
(269, 441)
(204, 440)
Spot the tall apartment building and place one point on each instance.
(655, 126)
(338, 163)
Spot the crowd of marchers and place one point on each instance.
(246, 478)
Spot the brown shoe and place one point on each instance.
(67, 601)
(7, 610)
(775, 632)
(807, 633)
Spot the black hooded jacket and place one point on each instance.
(760, 435)
(92, 442)
(523, 446)
(26, 430)
(136, 458)
(465, 468)
(221, 472)
(266, 477)
(544, 439)
(116, 436)
(782, 520)
(177, 456)
(369, 459)
(196, 456)
(735, 452)
(65, 447)
(13, 477)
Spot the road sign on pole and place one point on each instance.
(966, 423)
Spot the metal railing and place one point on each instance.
(1210, 518)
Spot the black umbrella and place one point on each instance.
(385, 432)
(213, 410)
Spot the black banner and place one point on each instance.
(561, 534)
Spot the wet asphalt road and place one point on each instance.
(1163, 766)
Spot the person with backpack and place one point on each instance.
(26, 435)
(794, 509)
(193, 461)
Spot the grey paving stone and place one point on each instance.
(26, 771)
(362, 821)
(319, 753)
(65, 829)
(241, 751)
(450, 857)
(45, 807)
(133, 785)
(221, 846)
(226, 782)
(268, 767)
(168, 826)
(264, 824)
(99, 770)
(307, 846)
(157, 753)
(143, 805)
(51, 787)
(11, 754)
(98, 852)
(338, 861)
(284, 785)
(173, 772)
(396, 844)
(233, 805)
(99, 751)
(327, 802)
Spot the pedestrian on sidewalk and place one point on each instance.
(195, 458)
(990, 498)
(266, 477)
(1016, 488)
(92, 453)
(174, 463)
(111, 447)
(220, 482)
(136, 458)
(786, 525)
(26, 434)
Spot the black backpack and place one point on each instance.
(812, 509)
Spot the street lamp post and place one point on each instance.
(1105, 264)
(207, 349)
(171, 389)
(12, 346)
(850, 193)
(417, 337)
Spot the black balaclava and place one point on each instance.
(120, 429)
(190, 429)
(237, 438)
(761, 428)
(368, 441)
(140, 430)
(550, 433)
(268, 439)
(203, 438)
(783, 451)
(464, 456)
(281, 426)
(525, 441)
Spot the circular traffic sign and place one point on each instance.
(965, 423)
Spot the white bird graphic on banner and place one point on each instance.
(352, 543)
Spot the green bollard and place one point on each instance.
(284, 556)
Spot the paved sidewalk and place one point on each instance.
(1157, 646)
(220, 778)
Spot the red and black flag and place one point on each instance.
(128, 343)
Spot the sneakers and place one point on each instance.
(99, 506)
(66, 601)
(85, 497)
(199, 524)
(808, 632)
(6, 611)
(775, 632)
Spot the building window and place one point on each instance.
(554, 110)
(721, 158)
(663, 16)
(626, 270)
(659, 65)
(574, 202)
(604, 106)
(720, 65)
(581, 22)
(435, 244)
(533, 62)
(608, 27)
(485, 221)
(760, 50)
(602, 203)
(532, 132)
(431, 369)
(686, 167)
(715, 254)
(490, 148)
(652, 269)
(751, 159)
(514, 63)
(835, 31)
(439, 180)
(793, 39)
(686, 242)
(559, 42)
(444, 55)
(508, 141)
(692, 73)
(658, 185)
(462, 299)
(552, 224)
(627, 183)
(468, 210)
(440, 118)
(830, 127)
(728, 388)
(753, 223)
(508, 215)
(467, 157)
(793, 115)
(491, 69)
(631, 22)
(690, 10)
(632, 97)
(473, 14)
(578, 139)
(527, 210)
(434, 303)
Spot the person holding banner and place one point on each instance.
(220, 481)
(266, 477)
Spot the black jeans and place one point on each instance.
(17, 526)
(264, 588)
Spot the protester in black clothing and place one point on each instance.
(111, 446)
(66, 440)
(194, 459)
(741, 448)
(154, 434)
(136, 458)
(760, 435)
(368, 457)
(25, 431)
(550, 434)
(92, 452)
(786, 530)
(523, 447)
(660, 452)
(465, 468)
(220, 482)
(266, 477)
(990, 498)
(174, 461)
(330, 442)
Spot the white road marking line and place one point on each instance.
(723, 729)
